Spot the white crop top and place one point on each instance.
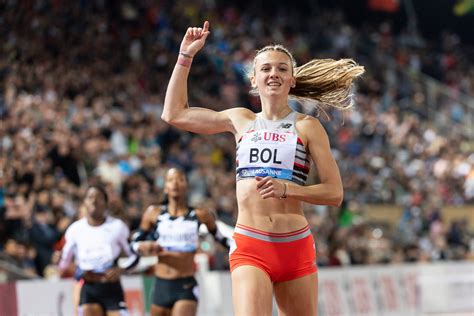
(272, 148)
(177, 233)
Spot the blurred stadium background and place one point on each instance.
(82, 90)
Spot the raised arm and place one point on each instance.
(176, 110)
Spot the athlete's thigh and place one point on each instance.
(184, 308)
(156, 310)
(251, 292)
(92, 310)
(297, 297)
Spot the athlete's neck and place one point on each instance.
(95, 221)
(177, 207)
(275, 112)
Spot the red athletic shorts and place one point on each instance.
(283, 256)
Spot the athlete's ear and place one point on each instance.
(293, 82)
(253, 82)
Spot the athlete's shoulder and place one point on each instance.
(240, 115)
(78, 223)
(309, 128)
(241, 119)
(305, 121)
(76, 226)
(241, 112)
(114, 220)
(305, 118)
(117, 224)
(154, 210)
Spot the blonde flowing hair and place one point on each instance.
(326, 81)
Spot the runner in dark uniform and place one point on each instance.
(171, 231)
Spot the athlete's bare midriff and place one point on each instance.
(175, 265)
(271, 215)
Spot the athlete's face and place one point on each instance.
(176, 184)
(273, 73)
(95, 203)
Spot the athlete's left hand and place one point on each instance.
(113, 274)
(269, 187)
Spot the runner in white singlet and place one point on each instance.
(96, 243)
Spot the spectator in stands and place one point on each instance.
(44, 235)
(18, 253)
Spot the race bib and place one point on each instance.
(267, 153)
(96, 257)
(179, 236)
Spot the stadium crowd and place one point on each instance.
(82, 91)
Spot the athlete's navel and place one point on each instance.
(270, 218)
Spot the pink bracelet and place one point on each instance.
(185, 62)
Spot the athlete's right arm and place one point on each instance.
(176, 110)
(143, 241)
(68, 250)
